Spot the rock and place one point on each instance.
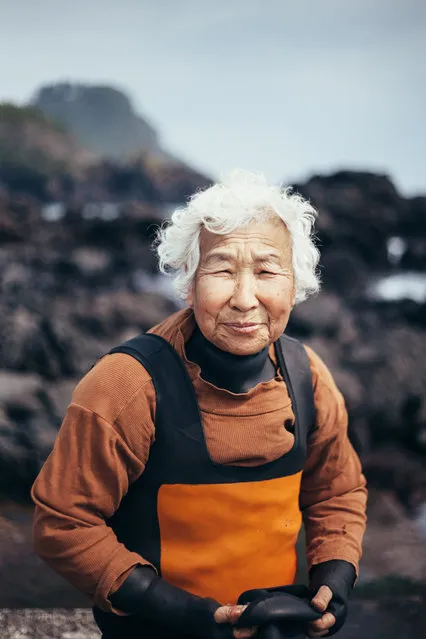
(393, 543)
(16, 277)
(22, 388)
(79, 277)
(100, 117)
(9, 228)
(359, 211)
(125, 308)
(40, 624)
(352, 389)
(392, 470)
(414, 257)
(387, 618)
(325, 315)
(175, 181)
(27, 431)
(28, 582)
(413, 223)
(59, 396)
(345, 272)
(40, 344)
(36, 154)
(401, 375)
(110, 313)
(91, 261)
(121, 183)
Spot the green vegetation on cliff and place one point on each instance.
(35, 149)
(13, 114)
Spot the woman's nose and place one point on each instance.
(244, 297)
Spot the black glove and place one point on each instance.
(282, 612)
(144, 593)
(339, 576)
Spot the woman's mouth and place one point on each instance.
(248, 327)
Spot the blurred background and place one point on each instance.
(111, 115)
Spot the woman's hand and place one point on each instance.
(230, 614)
(320, 602)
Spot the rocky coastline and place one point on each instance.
(77, 276)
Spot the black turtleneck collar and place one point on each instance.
(236, 373)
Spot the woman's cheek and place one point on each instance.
(215, 291)
(277, 299)
(274, 290)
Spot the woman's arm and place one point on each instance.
(98, 453)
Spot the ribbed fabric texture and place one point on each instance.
(104, 442)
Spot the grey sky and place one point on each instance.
(278, 86)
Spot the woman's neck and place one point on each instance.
(236, 373)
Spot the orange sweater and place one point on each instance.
(104, 443)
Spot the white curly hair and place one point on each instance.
(231, 204)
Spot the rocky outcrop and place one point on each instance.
(37, 157)
(41, 159)
(375, 347)
(360, 212)
(378, 364)
(101, 118)
(175, 181)
(70, 289)
(77, 276)
(77, 280)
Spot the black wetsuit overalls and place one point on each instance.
(214, 530)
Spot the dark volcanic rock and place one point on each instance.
(359, 212)
(27, 431)
(175, 181)
(78, 276)
(75, 285)
(71, 288)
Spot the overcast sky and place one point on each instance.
(284, 87)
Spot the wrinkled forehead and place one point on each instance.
(262, 239)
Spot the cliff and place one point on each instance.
(100, 117)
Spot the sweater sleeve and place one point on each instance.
(92, 464)
(333, 491)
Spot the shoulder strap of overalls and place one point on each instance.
(163, 364)
(296, 370)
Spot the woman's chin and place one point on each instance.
(243, 344)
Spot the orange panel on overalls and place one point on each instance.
(218, 540)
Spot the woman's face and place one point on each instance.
(243, 290)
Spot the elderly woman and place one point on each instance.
(187, 460)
